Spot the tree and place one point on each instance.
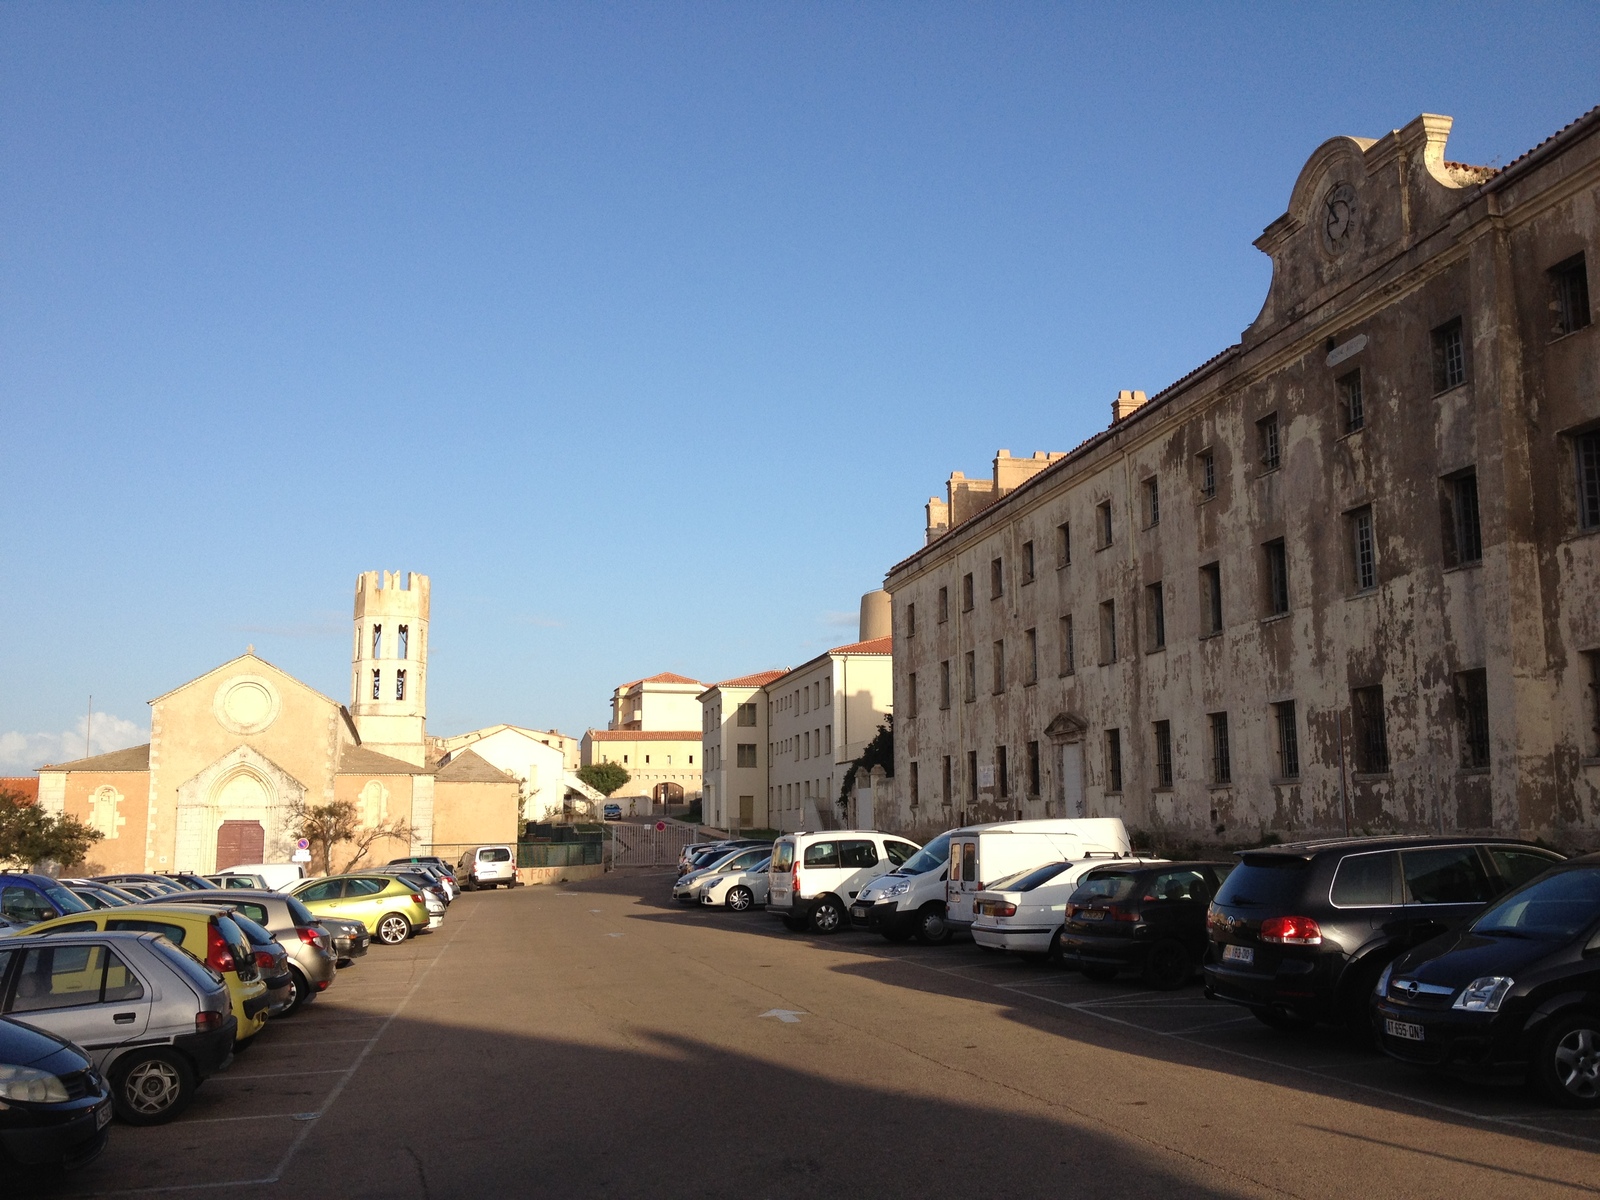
(605, 777)
(29, 835)
(879, 752)
(327, 826)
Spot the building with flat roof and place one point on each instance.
(733, 740)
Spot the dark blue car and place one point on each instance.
(26, 899)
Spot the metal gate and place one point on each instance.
(656, 844)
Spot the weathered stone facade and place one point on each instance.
(1392, 482)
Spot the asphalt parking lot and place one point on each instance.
(599, 1040)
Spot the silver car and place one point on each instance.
(156, 1021)
(313, 962)
(689, 887)
(740, 890)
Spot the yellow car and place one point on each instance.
(203, 931)
(389, 909)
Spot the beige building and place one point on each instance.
(236, 753)
(654, 733)
(661, 702)
(1343, 576)
(734, 755)
(537, 760)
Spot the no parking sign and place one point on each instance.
(661, 826)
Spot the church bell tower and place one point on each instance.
(389, 681)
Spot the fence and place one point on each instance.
(654, 845)
(560, 854)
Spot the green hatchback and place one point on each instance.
(389, 909)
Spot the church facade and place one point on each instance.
(237, 754)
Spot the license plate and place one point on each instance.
(1244, 955)
(1092, 914)
(1403, 1029)
(858, 912)
(102, 1116)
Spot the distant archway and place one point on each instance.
(667, 793)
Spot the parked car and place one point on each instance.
(813, 877)
(1149, 919)
(1300, 933)
(55, 1107)
(100, 895)
(487, 867)
(701, 854)
(739, 890)
(351, 938)
(689, 887)
(613, 812)
(240, 880)
(980, 854)
(1513, 994)
(141, 884)
(388, 908)
(84, 986)
(279, 877)
(187, 879)
(272, 961)
(435, 866)
(423, 881)
(142, 891)
(310, 947)
(1023, 914)
(909, 900)
(436, 877)
(26, 898)
(206, 932)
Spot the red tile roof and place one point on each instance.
(759, 679)
(883, 645)
(643, 735)
(26, 786)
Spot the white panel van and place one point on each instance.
(981, 854)
(814, 876)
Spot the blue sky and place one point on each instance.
(645, 330)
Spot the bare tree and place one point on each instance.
(328, 826)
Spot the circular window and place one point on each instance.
(246, 704)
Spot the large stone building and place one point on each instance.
(1343, 576)
(655, 733)
(235, 754)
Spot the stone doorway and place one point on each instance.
(667, 793)
(240, 842)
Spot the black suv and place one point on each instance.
(1300, 933)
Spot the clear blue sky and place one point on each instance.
(644, 330)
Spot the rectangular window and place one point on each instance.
(1002, 776)
(745, 754)
(1363, 549)
(944, 605)
(399, 685)
(911, 694)
(1369, 730)
(1587, 447)
(1069, 651)
(1033, 768)
(1103, 515)
(1221, 750)
(970, 683)
(1152, 502)
(1113, 760)
(999, 667)
(827, 739)
(1449, 356)
(1064, 544)
(972, 776)
(1472, 705)
(1267, 442)
(1277, 561)
(1288, 741)
(403, 641)
(1208, 475)
(915, 798)
(945, 782)
(966, 592)
(1108, 631)
(944, 684)
(1163, 754)
(1211, 599)
(1352, 406)
(747, 715)
(1463, 534)
(377, 685)
(997, 578)
(1155, 609)
(1027, 562)
(377, 643)
(1594, 700)
(1569, 296)
(911, 620)
(1030, 665)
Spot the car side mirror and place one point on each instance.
(50, 914)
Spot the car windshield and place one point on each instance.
(1557, 906)
(257, 935)
(64, 900)
(1105, 885)
(1007, 883)
(930, 858)
(1266, 883)
(1039, 875)
(203, 976)
(300, 914)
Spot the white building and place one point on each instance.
(537, 759)
(734, 752)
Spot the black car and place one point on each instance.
(1300, 933)
(1150, 919)
(55, 1109)
(1514, 994)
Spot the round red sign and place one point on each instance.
(661, 826)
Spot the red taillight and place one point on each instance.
(206, 1021)
(416, 898)
(794, 879)
(264, 959)
(1291, 931)
(1002, 910)
(219, 955)
(309, 935)
(1116, 912)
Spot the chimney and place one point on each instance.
(1126, 404)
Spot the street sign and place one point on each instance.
(300, 856)
(303, 844)
(661, 826)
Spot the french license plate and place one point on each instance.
(858, 912)
(1403, 1029)
(102, 1116)
(1243, 955)
(1092, 914)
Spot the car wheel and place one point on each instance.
(827, 916)
(741, 899)
(1168, 966)
(1099, 972)
(300, 991)
(794, 924)
(932, 928)
(393, 929)
(150, 1087)
(1568, 1064)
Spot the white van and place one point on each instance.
(487, 867)
(279, 876)
(982, 853)
(814, 876)
(909, 901)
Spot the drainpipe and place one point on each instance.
(1344, 799)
